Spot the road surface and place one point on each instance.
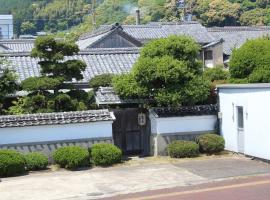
(252, 188)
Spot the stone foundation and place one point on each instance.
(49, 147)
(159, 142)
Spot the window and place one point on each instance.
(240, 117)
(208, 55)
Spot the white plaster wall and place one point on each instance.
(55, 132)
(256, 120)
(183, 124)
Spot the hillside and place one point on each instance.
(76, 17)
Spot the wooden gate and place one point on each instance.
(133, 138)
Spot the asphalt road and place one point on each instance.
(252, 188)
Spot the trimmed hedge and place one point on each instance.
(11, 163)
(36, 161)
(71, 157)
(183, 149)
(104, 154)
(210, 143)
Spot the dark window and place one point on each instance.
(240, 117)
(208, 55)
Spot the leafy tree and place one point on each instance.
(257, 16)
(28, 28)
(251, 61)
(167, 72)
(52, 53)
(222, 13)
(217, 73)
(8, 83)
(103, 80)
(56, 72)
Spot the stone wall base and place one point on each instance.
(49, 147)
(159, 142)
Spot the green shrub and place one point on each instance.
(71, 157)
(183, 149)
(103, 80)
(217, 73)
(210, 143)
(105, 154)
(11, 163)
(36, 161)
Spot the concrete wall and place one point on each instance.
(217, 56)
(47, 133)
(6, 26)
(165, 130)
(256, 120)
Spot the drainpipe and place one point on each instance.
(138, 17)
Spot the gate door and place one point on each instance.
(133, 138)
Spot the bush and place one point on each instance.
(11, 163)
(36, 161)
(105, 154)
(253, 55)
(217, 73)
(210, 143)
(103, 80)
(71, 157)
(183, 149)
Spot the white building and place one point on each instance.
(6, 26)
(244, 118)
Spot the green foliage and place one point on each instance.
(217, 12)
(251, 61)
(28, 28)
(11, 163)
(52, 53)
(168, 72)
(8, 85)
(36, 161)
(71, 157)
(217, 73)
(103, 154)
(103, 80)
(231, 12)
(55, 74)
(210, 143)
(73, 15)
(256, 16)
(183, 149)
(40, 83)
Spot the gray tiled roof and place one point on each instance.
(245, 86)
(235, 37)
(185, 111)
(55, 118)
(151, 31)
(99, 61)
(19, 45)
(107, 96)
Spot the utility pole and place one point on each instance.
(93, 14)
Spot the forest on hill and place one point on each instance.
(76, 15)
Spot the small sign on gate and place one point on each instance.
(142, 119)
